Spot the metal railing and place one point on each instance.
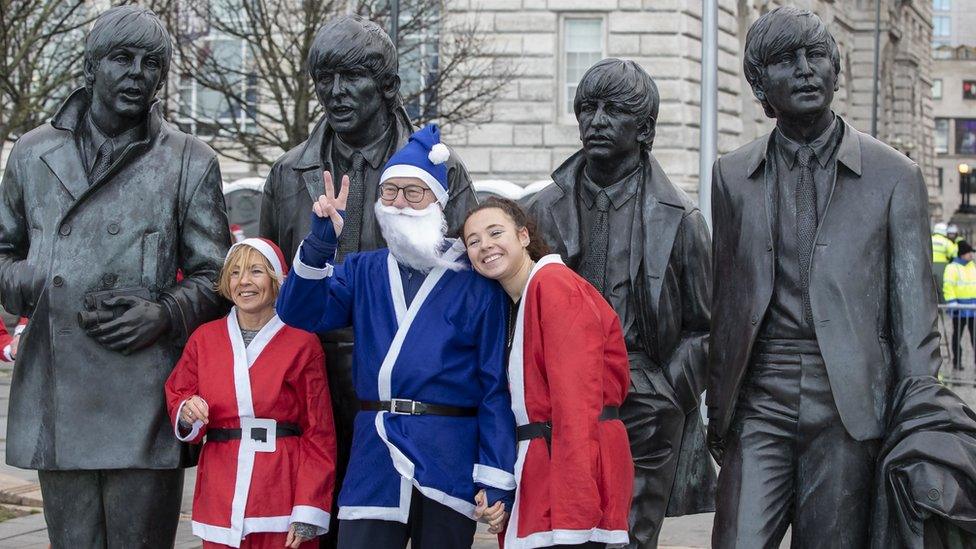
(966, 377)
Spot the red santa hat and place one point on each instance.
(269, 250)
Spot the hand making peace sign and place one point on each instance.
(329, 205)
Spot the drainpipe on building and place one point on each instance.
(708, 146)
(877, 68)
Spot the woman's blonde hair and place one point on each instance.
(242, 257)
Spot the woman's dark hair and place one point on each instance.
(537, 243)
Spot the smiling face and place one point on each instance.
(496, 247)
(799, 82)
(125, 81)
(248, 280)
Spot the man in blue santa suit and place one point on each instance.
(435, 426)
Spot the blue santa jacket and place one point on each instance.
(446, 348)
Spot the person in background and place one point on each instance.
(952, 233)
(569, 374)
(943, 250)
(257, 390)
(959, 288)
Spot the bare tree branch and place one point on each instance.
(265, 104)
(42, 44)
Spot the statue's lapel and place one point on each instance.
(65, 162)
(662, 212)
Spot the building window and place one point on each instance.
(937, 88)
(418, 60)
(940, 177)
(969, 89)
(203, 110)
(220, 93)
(941, 26)
(942, 135)
(965, 136)
(583, 42)
(941, 5)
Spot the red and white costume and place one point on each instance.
(568, 362)
(242, 488)
(6, 340)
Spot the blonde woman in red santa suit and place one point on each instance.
(568, 373)
(256, 389)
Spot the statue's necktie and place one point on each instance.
(806, 223)
(353, 227)
(103, 161)
(595, 264)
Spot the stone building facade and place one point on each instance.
(533, 130)
(954, 106)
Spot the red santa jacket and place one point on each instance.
(279, 376)
(6, 340)
(569, 361)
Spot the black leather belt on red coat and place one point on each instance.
(406, 407)
(281, 430)
(543, 429)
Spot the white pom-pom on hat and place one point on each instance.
(439, 153)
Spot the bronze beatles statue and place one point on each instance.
(822, 302)
(353, 65)
(101, 208)
(617, 220)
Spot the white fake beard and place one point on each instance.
(415, 237)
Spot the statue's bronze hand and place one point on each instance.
(139, 326)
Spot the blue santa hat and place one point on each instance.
(423, 157)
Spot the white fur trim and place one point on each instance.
(6, 354)
(252, 525)
(309, 273)
(194, 429)
(264, 249)
(245, 409)
(613, 538)
(406, 170)
(311, 515)
(516, 383)
(439, 154)
(496, 478)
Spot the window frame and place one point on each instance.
(564, 104)
(244, 120)
(947, 133)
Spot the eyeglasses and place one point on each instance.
(412, 193)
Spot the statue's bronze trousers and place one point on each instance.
(655, 425)
(789, 461)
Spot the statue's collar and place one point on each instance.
(848, 152)
(72, 112)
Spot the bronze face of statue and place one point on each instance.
(353, 65)
(822, 301)
(101, 208)
(617, 220)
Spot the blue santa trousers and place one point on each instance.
(430, 525)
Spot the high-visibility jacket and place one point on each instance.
(943, 249)
(959, 285)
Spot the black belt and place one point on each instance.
(543, 429)
(413, 408)
(281, 430)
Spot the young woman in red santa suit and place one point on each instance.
(257, 390)
(568, 374)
